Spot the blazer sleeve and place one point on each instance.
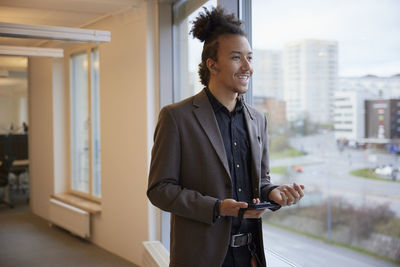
(266, 185)
(164, 189)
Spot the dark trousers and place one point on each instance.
(237, 257)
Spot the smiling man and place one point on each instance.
(210, 158)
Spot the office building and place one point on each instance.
(310, 76)
(382, 120)
(349, 114)
(274, 109)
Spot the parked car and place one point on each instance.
(298, 168)
(388, 171)
(384, 170)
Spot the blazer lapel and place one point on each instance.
(255, 145)
(206, 118)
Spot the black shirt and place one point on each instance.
(233, 129)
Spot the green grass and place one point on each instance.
(282, 169)
(360, 250)
(368, 174)
(279, 169)
(287, 153)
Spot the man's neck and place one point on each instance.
(225, 97)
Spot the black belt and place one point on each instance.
(241, 240)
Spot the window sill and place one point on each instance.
(81, 203)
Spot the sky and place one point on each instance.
(367, 31)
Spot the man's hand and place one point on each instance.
(287, 195)
(230, 207)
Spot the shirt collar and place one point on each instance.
(217, 106)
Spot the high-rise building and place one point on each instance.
(310, 76)
(267, 78)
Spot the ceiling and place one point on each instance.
(62, 13)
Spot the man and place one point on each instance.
(210, 158)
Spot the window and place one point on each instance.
(85, 124)
(187, 56)
(187, 50)
(325, 47)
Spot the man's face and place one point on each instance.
(234, 64)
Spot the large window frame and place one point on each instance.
(92, 190)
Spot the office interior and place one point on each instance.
(129, 103)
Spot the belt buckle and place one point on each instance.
(233, 240)
(249, 240)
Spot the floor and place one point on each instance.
(28, 240)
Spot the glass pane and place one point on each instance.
(321, 71)
(187, 51)
(79, 123)
(96, 183)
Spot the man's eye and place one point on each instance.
(236, 57)
(250, 59)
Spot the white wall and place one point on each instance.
(125, 83)
(40, 136)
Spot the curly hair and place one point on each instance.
(207, 27)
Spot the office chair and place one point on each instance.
(5, 167)
(19, 151)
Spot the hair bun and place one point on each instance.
(210, 24)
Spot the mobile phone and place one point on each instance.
(262, 205)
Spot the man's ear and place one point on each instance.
(211, 65)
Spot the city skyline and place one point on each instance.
(368, 32)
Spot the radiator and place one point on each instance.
(155, 255)
(70, 218)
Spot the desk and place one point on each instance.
(21, 162)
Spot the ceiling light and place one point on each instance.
(30, 51)
(53, 33)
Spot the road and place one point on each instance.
(326, 170)
(285, 248)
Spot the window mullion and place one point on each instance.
(88, 52)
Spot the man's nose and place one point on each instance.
(246, 64)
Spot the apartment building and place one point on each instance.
(310, 78)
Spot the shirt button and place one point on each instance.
(235, 143)
(237, 165)
(240, 189)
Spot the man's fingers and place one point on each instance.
(284, 198)
(243, 205)
(294, 196)
(290, 198)
(299, 189)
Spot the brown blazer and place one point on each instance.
(189, 172)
